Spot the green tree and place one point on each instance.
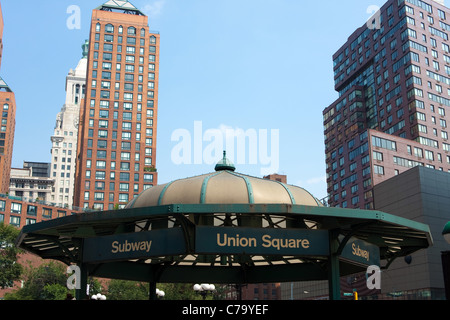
(130, 290)
(127, 290)
(10, 269)
(42, 283)
(180, 291)
(54, 291)
(94, 286)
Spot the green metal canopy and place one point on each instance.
(229, 228)
(63, 239)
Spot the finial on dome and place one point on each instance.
(225, 164)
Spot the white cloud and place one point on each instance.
(154, 9)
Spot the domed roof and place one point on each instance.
(224, 187)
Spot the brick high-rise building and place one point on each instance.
(7, 129)
(8, 119)
(118, 121)
(393, 80)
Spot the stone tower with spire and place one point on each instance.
(64, 139)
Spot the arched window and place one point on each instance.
(142, 32)
(120, 29)
(97, 27)
(153, 40)
(109, 28)
(131, 31)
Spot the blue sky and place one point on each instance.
(250, 64)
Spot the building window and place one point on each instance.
(124, 176)
(100, 175)
(109, 28)
(16, 208)
(15, 221)
(377, 156)
(31, 210)
(109, 38)
(99, 196)
(108, 47)
(378, 169)
(98, 206)
(131, 31)
(123, 197)
(46, 213)
(384, 143)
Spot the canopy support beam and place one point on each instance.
(334, 286)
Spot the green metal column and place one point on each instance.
(152, 291)
(334, 286)
(81, 294)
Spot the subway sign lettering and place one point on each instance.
(361, 252)
(139, 245)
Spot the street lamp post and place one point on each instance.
(445, 256)
(204, 289)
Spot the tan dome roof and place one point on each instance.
(224, 187)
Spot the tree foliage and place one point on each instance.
(10, 269)
(47, 282)
(127, 290)
(130, 290)
(179, 291)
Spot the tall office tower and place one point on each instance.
(393, 80)
(117, 133)
(7, 127)
(65, 137)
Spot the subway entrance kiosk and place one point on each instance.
(225, 228)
